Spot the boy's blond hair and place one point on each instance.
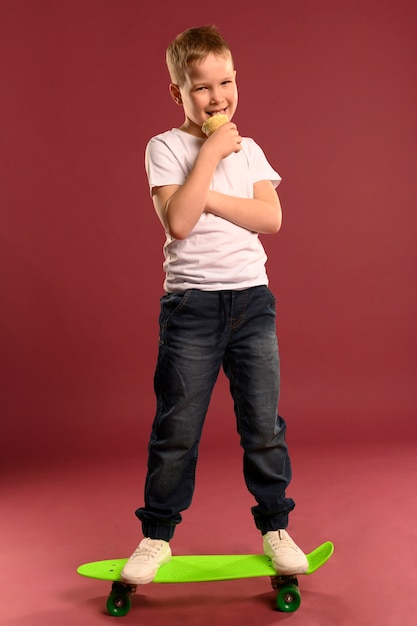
(192, 46)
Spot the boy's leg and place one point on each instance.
(189, 360)
(252, 365)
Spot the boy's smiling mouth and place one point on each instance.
(219, 112)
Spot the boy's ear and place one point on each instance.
(175, 92)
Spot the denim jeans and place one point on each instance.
(200, 332)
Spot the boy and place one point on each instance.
(213, 196)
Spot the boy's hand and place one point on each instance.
(224, 141)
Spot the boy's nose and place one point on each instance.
(216, 97)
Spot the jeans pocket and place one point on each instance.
(272, 296)
(171, 305)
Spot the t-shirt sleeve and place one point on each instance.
(259, 166)
(161, 164)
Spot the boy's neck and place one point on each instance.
(192, 129)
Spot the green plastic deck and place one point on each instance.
(207, 567)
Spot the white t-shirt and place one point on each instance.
(217, 254)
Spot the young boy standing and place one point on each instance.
(213, 196)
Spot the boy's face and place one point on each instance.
(209, 88)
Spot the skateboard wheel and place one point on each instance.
(288, 598)
(118, 602)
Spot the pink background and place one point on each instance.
(329, 90)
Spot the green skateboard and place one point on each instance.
(205, 568)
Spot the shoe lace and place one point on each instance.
(282, 540)
(147, 550)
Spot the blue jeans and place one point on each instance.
(201, 331)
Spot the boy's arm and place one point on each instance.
(179, 207)
(261, 214)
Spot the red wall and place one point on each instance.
(328, 89)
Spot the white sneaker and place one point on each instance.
(142, 566)
(286, 556)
